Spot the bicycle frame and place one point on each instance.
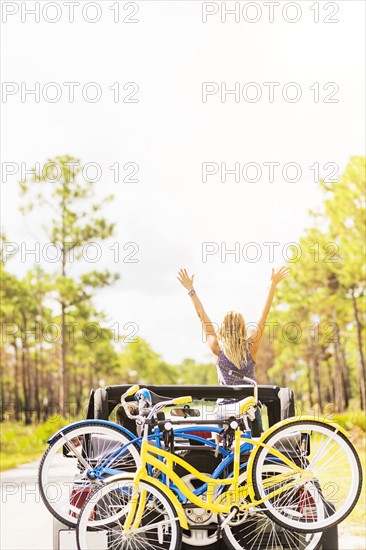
(185, 433)
(225, 501)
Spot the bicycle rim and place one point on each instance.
(64, 485)
(104, 515)
(334, 476)
(252, 529)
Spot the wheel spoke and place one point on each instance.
(158, 526)
(63, 474)
(330, 467)
(254, 530)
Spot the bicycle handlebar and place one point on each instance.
(177, 401)
(182, 400)
(137, 417)
(131, 391)
(247, 380)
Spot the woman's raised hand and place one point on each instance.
(185, 279)
(279, 275)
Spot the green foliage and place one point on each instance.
(345, 209)
(324, 296)
(59, 185)
(191, 373)
(139, 363)
(74, 222)
(21, 444)
(351, 419)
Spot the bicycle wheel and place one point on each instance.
(63, 480)
(252, 529)
(333, 469)
(103, 516)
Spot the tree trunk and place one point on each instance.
(25, 386)
(43, 383)
(29, 404)
(48, 409)
(17, 405)
(78, 396)
(345, 376)
(41, 393)
(361, 363)
(37, 403)
(310, 385)
(3, 405)
(338, 383)
(91, 375)
(63, 382)
(63, 366)
(316, 369)
(331, 387)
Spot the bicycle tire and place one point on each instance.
(351, 463)
(113, 496)
(56, 484)
(258, 532)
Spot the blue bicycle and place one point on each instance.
(96, 449)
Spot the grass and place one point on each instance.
(355, 423)
(21, 444)
(355, 523)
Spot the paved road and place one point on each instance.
(26, 524)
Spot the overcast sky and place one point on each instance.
(173, 129)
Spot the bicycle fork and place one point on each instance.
(137, 504)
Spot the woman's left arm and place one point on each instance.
(256, 337)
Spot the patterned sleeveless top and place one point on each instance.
(223, 366)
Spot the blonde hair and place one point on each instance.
(232, 337)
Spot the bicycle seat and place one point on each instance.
(155, 398)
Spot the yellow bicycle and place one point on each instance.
(302, 473)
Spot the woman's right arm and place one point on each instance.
(207, 325)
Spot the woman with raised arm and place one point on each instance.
(230, 344)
